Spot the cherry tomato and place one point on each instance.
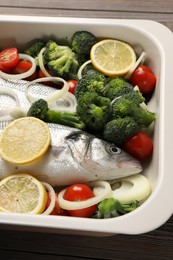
(80, 192)
(42, 75)
(72, 85)
(57, 210)
(22, 67)
(144, 78)
(9, 58)
(140, 146)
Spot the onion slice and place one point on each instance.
(68, 98)
(5, 91)
(135, 187)
(21, 75)
(41, 62)
(53, 97)
(79, 73)
(52, 198)
(139, 60)
(17, 112)
(73, 205)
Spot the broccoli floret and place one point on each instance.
(35, 48)
(41, 110)
(135, 96)
(110, 208)
(117, 87)
(82, 41)
(123, 106)
(93, 109)
(119, 129)
(92, 81)
(61, 60)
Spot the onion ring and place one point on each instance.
(73, 205)
(135, 187)
(139, 60)
(51, 98)
(21, 75)
(41, 63)
(5, 91)
(79, 73)
(52, 198)
(71, 100)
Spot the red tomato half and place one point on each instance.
(24, 66)
(72, 85)
(144, 78)
(57, 210)
(140, 146)
(9, 58)
(80, 192)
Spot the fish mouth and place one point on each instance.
(132, 166)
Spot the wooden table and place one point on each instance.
(157, 244)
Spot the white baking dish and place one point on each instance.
(157, 41)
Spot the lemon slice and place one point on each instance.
(24, 140)
(112, 57)
(22, 193)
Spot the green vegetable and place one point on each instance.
(119, 129)
(122, 107)
(92, 81)
(93, 110)
(40, 110)
(110, 208)
(35, 48)
(82, 41)
(118, 86)
(61, 60)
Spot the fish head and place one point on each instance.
(111, 161)
(105, 160)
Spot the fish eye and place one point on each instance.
(114, 149)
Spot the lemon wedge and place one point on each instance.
(24, 140)
(22, 193)
(112, 57)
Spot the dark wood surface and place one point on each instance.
(157, 244)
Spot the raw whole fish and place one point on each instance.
(74, 156)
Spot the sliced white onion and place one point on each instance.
(53, 97)
(5, 91)
(136, 187)
(5, 118)
(52, 198)
(149, 130)
(79, 73)
(73, 205)
(139, 61)
(21, 75)
(71, 101)
(17, 112)
(41, 62)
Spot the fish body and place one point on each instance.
(74, 156)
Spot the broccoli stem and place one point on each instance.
(64, 118)
(143, 116)
(96, 111)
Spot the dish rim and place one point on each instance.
(163, 37)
